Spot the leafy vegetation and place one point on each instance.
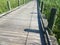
(13, 4)
(48, 4)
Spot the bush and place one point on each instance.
(13, 3)
(48, 4)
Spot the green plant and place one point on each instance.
(48, 4)
(13, 4)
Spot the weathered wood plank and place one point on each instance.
(13, 25)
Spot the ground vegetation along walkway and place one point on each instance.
(20, 27)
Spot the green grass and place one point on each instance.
(13, 3)
(3, 6)
(48, 4)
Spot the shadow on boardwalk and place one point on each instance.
(32, 30)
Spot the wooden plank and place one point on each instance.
(13, 25)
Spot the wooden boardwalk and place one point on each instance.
(20, 27)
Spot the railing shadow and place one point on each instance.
(40, 25)
(32, 30)
(37, 31)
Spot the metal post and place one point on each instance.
(39, 3)
(52, 18)
(8, 4)
(18, 2)
(41, 6)
(23, 1)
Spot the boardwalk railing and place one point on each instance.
(18, 3)
(45, 34)
(12, 5)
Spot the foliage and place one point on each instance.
(13, 3)
(48, 4)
